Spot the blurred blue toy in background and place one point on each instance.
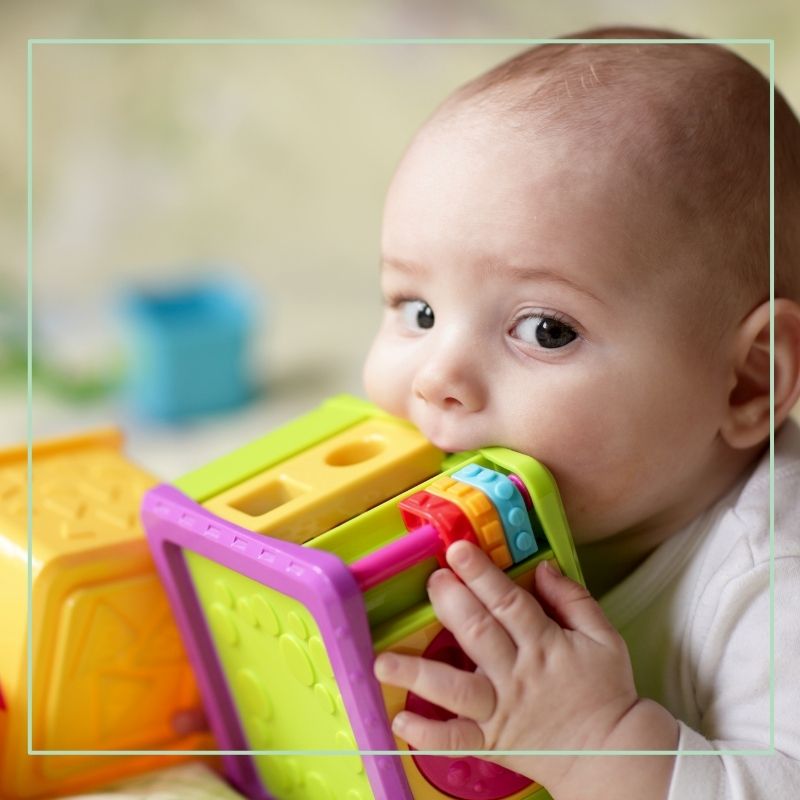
(188, 348)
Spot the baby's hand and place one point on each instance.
(557, 682)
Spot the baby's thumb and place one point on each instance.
(569, 603)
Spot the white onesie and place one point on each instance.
(696, 617)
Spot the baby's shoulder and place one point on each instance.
(742, 534)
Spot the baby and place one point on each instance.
(576, 266)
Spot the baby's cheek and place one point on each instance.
(619, 490)
(384, 380)
(371, 378)
(594, 471)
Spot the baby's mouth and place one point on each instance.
(449, 442)
(451, 430)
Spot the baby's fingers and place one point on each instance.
(572, 605)
(519, 617)
(428, 734)
(466, 694)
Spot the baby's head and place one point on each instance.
(576, 266)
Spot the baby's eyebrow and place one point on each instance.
(409, 267)
(493, 268)
(529, 273)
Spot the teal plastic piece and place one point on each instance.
(510, 507)
(547, 501)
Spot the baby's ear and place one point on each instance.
(746, 423)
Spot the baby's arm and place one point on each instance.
(731, 680)
(557, 682)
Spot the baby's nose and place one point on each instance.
(450, 380)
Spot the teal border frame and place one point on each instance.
(401, 41)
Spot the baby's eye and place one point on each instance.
(546, 331)
(417, 314)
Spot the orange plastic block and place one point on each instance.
(481, 513)
(108, 668)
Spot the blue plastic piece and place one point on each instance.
(509, 505)
(188, 349)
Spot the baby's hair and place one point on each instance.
(692, 118)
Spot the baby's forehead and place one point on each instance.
(680, 103)
(690, 120)
(560, 77)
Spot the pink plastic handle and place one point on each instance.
(523, 490)
(421, 543)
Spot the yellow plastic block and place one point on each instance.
(108, 667)
(481, 513)
(395, 699)
(331, 482)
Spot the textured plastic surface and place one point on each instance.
(450, 522)
(281, 678)
(510, 507)
(108, 666)
(546, 503)
(482, 515)
(319, 583)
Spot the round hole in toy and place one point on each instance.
(356, 452)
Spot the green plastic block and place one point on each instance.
(276, 666)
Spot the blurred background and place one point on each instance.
(259, 171)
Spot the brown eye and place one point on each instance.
(547, 332)
(417, 315)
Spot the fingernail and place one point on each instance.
(385, 664)
(437, 576)
(458, 555)
(399, 722)
(548, 566)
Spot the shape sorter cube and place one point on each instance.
(273, 559)
(108, 669)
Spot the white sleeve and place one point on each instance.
(772, 776)
(732, 686)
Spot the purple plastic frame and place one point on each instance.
(319, 580)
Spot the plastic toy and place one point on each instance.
(292, 561)
(187, 350)
(109, 670)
